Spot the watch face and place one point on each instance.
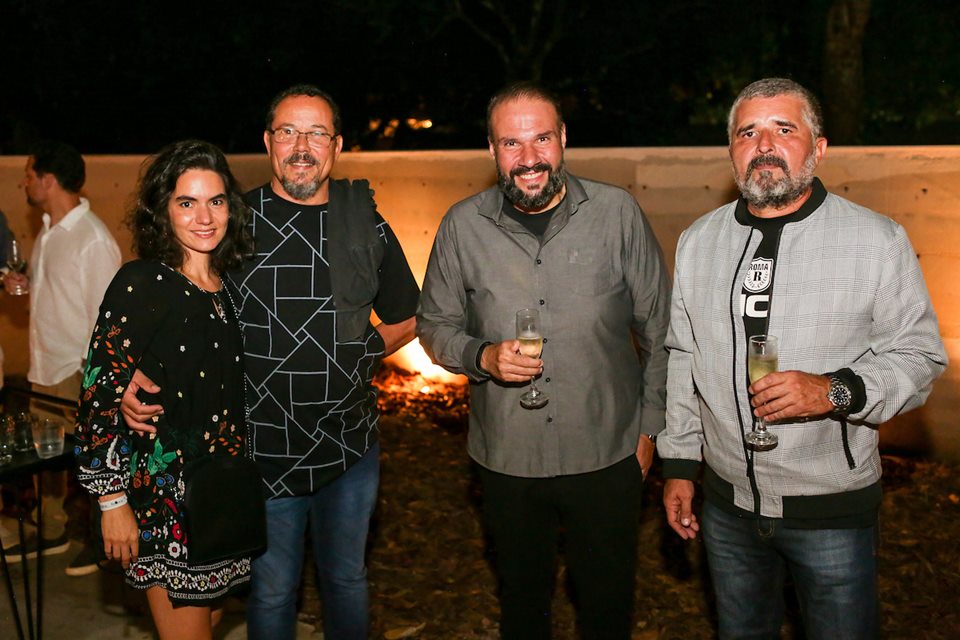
(839, 396)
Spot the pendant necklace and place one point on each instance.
(218, 307)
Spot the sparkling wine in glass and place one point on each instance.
(530, 336)
(762, 357)
(17, 263)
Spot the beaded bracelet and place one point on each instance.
(113, 504)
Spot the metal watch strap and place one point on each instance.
(839, 395)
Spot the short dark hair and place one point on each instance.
(773, 87)
(308, 90)
(149, 219)
(62, 161)
(518, 91)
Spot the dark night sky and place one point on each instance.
(128, 77)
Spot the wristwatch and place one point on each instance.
(839, 395)
(652, 437)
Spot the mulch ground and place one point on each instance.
(431, 578)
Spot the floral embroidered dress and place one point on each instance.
(188, 342)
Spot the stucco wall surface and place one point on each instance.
(919, 187)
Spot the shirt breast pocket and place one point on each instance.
(589, 272)
(365, 281)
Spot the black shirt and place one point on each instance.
(535, 223)
(312, 405)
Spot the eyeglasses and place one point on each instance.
(317, 139)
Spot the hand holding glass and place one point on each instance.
(530, 337)
(762, 358)
(17, 263)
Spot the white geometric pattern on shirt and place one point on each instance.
(309, 410)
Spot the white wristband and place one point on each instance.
(113, 504)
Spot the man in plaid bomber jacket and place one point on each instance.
(841, 288)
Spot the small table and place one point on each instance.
(25, 465)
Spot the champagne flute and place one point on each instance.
(17, 263)
(530, 337)
(762, 358)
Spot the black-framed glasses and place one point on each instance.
(317, 139)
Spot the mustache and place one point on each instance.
(768, 159)
(540, 166)
(300, 156)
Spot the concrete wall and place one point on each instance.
(917, 186)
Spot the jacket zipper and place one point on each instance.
(747, 453)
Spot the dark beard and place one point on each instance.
(556, 178)
(300, 190)
(762, 192)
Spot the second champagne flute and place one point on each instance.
(530, 336)
(17, 263)
(762, 358)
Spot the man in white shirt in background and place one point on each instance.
(73, 260)
(4, 240)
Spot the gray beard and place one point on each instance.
(762, 191)
(556, 178)
(300, 190)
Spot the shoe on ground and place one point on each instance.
(47, 548)
(85, 563)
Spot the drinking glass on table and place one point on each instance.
(17, 263)
(23, 432)
(762, 358)
(48, 437)
(530, 336)
(7, 427)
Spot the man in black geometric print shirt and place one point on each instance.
(324, 257)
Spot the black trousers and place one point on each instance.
(598, 513)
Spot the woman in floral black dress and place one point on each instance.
(172, 316)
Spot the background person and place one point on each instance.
(73, 259)
(5, 236)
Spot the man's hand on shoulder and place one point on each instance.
(790, 394)
(136, 414)
(504, 362)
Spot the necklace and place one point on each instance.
(214, 295)
(218, 306)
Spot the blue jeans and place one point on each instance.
(834, 571)
(339, 516)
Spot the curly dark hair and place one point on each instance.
(149, 218)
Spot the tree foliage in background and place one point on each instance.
(117, 77)
(843, 81)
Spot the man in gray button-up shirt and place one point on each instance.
(583, 254)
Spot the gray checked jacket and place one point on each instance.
(848, 293)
